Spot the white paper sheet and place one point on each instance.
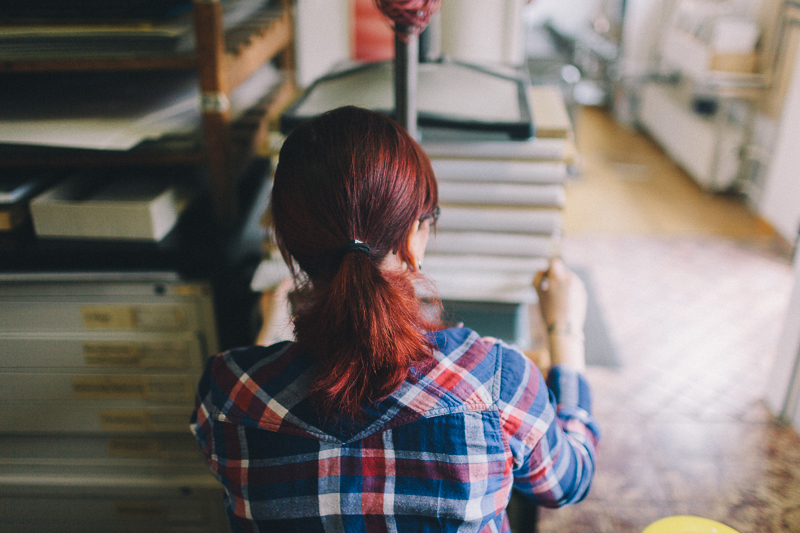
(112, 113)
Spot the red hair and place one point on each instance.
(353, 174)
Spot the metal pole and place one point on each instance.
(405, 79)
(430, 40)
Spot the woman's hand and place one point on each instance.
(563, 299)
(276, 322)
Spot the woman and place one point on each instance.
(377, 418)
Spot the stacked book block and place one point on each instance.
(501, 206)
(97, 380)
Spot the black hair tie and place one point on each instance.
(353, 246)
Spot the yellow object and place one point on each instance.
(687, 524)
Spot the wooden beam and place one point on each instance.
(215, 106)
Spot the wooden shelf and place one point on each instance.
(175, 62)
(247, 46)
(223, 60)
(218, 252)
(247, 133)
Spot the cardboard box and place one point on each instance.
(734, 62)
(117, 209)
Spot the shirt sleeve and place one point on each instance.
(200, 422)
(550, 430)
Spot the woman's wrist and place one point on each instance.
(564, 327)
(567, 349)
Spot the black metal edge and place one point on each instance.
(524, 129)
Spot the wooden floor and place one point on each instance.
(628, 186)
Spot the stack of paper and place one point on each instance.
(116, 207)
(501, 203)
(111, 111)
(92, 40)
(111, 30)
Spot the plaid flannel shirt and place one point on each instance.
(440, 454)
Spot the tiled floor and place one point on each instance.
(694, 289)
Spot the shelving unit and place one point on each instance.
(96, 436)
(223, 60)
(702, 104)
(707, 147)
(98, 374)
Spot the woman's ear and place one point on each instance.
(418, 241)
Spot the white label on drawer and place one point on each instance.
(189, 290)
(131, 447)
(143, 317)
(170, 388)
(132, 510)
(139, 355)
(170, 421)
(153, 448)
(190, 514)
(165, 355)
(132, 387)
(108, 387)
(158, 318)
(114, 354)
(124, 420)
(108, 317)
(144, 420)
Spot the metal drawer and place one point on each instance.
(93, 417)
(100, 351)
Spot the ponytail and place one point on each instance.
(367, 330)
(354, 174)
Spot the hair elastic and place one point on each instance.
(353, 246)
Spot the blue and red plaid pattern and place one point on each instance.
(440, 454)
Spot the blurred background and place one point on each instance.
(659, 158)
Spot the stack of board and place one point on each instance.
(501, 206)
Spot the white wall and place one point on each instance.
(641, 32)
(483, 31)
(572, 17)
(322, 37)
(780, 202)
